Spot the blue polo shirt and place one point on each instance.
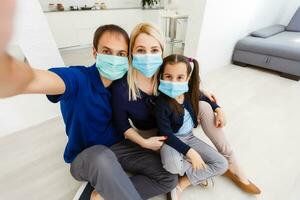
(86, 110)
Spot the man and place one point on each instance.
(85, 105)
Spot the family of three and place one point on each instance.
(133, 111)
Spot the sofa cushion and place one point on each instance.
(268, 31)
(284, 45)
(294, 24)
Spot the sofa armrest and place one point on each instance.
(268, 31)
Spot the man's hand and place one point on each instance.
(7, 8)
(15, 76)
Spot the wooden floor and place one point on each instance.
(263, 126)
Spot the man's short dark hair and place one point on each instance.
(109, 28)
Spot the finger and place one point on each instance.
(162, 138)
(216, 122)
(194, 167)
(159, 144)
(214, 98)
(221, 124)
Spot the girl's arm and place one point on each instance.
(164, 126)
(16, 78)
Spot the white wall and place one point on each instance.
(195, 10)
(225, 22)
(33, 36)
(291, 7)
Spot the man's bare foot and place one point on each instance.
(96, 196)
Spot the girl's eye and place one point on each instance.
(168, 77)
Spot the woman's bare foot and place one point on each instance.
(96, 196)
(176, 192)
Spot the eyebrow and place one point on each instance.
(172, 74)
(154, 47)
(112, 49)
(139, 47)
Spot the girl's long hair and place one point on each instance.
(194, 81)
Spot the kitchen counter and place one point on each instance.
(129, 8)
(76, 28)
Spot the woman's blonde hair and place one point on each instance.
(155, 32)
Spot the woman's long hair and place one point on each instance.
(194, 81)
(155, 32)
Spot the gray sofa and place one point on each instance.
(276, 47)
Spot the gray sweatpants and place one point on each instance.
(176, 163)
(149, 177)
(99, 166)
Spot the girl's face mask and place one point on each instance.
(174, 89)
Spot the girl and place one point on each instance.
(133, 101)
(177, 108)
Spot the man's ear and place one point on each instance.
(94, 52)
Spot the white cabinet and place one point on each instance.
(77, 27)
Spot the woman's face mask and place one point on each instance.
(146, 54)
(147, 64)
(111, 67)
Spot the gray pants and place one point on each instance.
(176, 163)
(99, 166)
(149, 177)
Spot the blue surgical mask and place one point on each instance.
(111, 67)
(173, 89)
(147, 64)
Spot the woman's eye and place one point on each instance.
(122, 54)
(154, 51)
(140, 51)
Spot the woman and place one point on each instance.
(136, 154)
(133, 99)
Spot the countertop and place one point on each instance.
(130, 8)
